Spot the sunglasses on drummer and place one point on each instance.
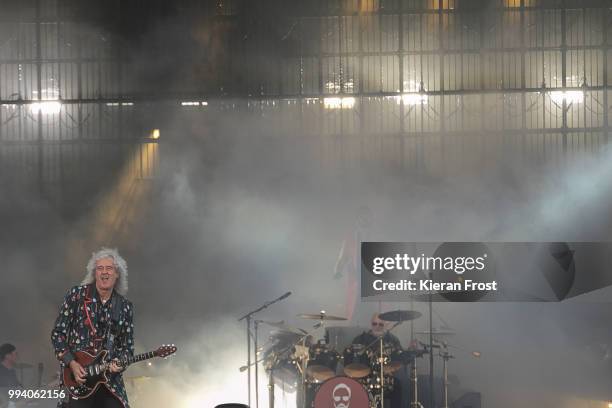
(379, 324)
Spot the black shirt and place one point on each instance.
(367, 338)
(8, 377)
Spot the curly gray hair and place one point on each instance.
(120, 265)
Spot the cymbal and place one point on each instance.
(399, 315)
(437, 332)
(286, 328)
(320, 316)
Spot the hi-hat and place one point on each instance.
(320, 316)
(399, 315)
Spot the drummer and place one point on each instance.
(377, 329)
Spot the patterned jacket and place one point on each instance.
(83, 324)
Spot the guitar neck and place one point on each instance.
(139, 357)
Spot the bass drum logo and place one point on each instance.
(341, 392)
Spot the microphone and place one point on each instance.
(243, 368)
(285, 296)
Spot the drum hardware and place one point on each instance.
(413, 354)
(381, 355)
(315, 363)
(445, 357)
(373, 365)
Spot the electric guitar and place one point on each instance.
(97, 368)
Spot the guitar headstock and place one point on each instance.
(165, 350)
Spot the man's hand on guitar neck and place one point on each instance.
(78, 371)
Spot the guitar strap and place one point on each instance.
(112, 329)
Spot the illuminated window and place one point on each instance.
(517, 3)
(445, 4)
(368, 6)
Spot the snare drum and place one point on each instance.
(356, 361)
(322, 362)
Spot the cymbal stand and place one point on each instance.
(414, 381)
(382, 361)
(382, 374)
(445, 357)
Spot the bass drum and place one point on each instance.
(341, 392)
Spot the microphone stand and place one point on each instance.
(431, 356)
(248, 318)
(255, 345)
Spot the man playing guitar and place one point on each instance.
(96, 316)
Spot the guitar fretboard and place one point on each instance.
(139, 357)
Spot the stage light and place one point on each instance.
(339, 103)
(413, 99)
(568, 96)
(120, 104)
(46, 107)
(194, 103)
(609, 404)
(155, 134)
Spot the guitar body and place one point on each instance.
(95, 376)
(96, 367)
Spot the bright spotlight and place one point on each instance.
(46, 108)
(155, 134)
(568, 96)
(609, 404)
(339, 103)
(413, 99)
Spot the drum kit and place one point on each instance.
(296, 362)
